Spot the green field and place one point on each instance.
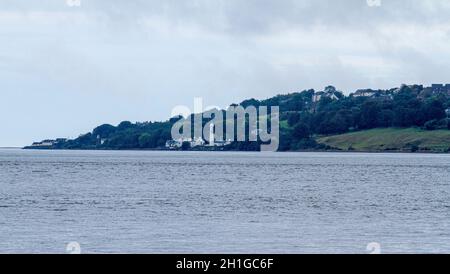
(390, 139)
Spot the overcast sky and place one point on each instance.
(65, 69)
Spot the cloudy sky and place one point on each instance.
(65, 69)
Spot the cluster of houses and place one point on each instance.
(175, 144)
(329, 92)
(439, 89)
(195, 143)
(332, 93)
(48, 143)
(198, 142)
(372, 93)
(434, 89)
(423, 92)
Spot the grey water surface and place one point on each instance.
(213, 202)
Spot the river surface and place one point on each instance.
(213, 202)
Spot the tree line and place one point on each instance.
(302, 117)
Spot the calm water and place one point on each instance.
(170, 202)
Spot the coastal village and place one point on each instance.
(329, 92)
(332, 93)
(198, 142)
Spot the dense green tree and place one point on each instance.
(104, 130)
(146, 140)
(369, 115)
(301, 131)
(385, 118)
(433, 110)
(293, 118)
(124, 125)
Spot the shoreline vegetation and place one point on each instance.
(411, 118)
(344, 143)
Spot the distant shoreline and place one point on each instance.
(381, 140)
(409, 118)
(241, 151)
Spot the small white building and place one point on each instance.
(45, 143)
(317, 96)
(222, 143)
(364, 93)
(329, 92)
(198, 142)
(100, 140)
(172, 144)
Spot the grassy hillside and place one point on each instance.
(391, 139)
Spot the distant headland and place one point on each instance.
(410, 118)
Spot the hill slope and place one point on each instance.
(304, 115)
(390, 139)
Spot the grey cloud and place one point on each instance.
(255, 16)
(108, 61)
(262, 16)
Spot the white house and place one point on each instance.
(222, 143)
(174, 144)
(364, 93)
(329, 92)
(177, 143)
(45, 143)
(317, 96)
(198, 142)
